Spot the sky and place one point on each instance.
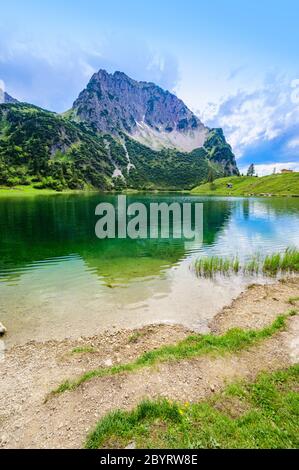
(235, 64)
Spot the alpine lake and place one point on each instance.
(57, 279)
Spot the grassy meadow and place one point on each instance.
(274, 185)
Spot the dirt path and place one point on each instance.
(29, 372)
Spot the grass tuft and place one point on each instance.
(83, 349)
(123, 423)
(208, 267)
(135, 337)
(270, 265)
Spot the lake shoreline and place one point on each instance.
(222, 321)
(32, 370)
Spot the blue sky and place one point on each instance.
(234, 63)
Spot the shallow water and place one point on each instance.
(58, 280)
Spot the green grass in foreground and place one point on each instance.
(270, 265)
(263, 414)
(276, 185)
(194, 345)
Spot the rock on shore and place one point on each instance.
(2, 329)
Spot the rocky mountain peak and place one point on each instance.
(117, 104)
(114, 103)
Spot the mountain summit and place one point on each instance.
(151, 115)
(119, 134)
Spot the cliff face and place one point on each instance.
(220, 151)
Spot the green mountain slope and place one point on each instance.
(276, 185)
(50, 151)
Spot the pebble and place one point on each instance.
(108, 362)
(4, 439)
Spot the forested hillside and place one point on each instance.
(47, 150)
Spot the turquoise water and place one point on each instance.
(57, 279)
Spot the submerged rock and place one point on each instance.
(2, 329)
